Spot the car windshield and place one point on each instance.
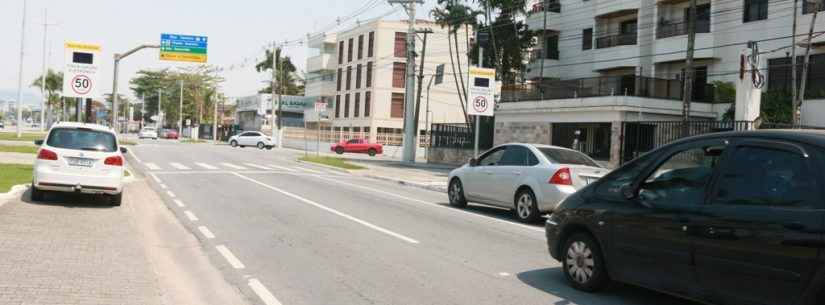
(82, 139)
(566, 156)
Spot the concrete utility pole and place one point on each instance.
(687, 94)
(20, 75)
(159, 123)
(420, 82)
(43, 91)
(807, 62)
(794, 97)
(543, 48)
(215, 122)
(180, 112)
(118, 58)
(409, 141)
(282, 82)
(276, 57)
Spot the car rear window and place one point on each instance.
(564, 156)
(82, 139)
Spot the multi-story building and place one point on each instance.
(370, 78)
(320, 77)
(605, 62)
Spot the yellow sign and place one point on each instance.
(199, 58)
(482, 72)
(82, 46)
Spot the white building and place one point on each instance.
(320, 77)
(612, 61)
(368, 67)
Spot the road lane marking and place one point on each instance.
(155, 177)
(331, 210)
(231, 258)
(263, 293)
(204, 165)
(179, 203)
(308, 170)
(152, 166)
(433, 204)
(206, 233)
(282, 168)
(191, 216)
(257, 166)
(163, 186)
(179, 166)
(136, 157)
(170, 194)
(230, 165)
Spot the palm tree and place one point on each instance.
(54, 85)
(454, 15)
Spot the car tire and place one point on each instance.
(261, 145)
(339, 150)
(456, 194)
(372, 152)
(583, 263)
(525, 206)
(36, 195)
(233, 143)
(115, 200)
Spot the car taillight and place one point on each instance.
(562, 177)
(114, 161)
(46, 154)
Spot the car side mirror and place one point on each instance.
(473, 162)
(123, 150)
(38, 142)
(628, 192)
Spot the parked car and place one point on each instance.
(79, 158)
(170, 134)
(2, 125)
(530, 179)
(727, 218)
(148, 133)
(360, 146)
(251, 138)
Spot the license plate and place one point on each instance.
(82, 162)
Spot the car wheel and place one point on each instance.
(339, 150)
(583, 263)
(372, 152)
(233, 143)
(456, 194)
(36, 195)
(261, 145)
(115, 200)
(526, 207)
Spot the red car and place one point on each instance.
(171, 134)
(358, 146)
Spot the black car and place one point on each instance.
(726, 218)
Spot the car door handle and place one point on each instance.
(517, 173)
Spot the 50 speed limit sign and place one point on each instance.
(80, 70)
(81, 84)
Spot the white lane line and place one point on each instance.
(230, 165)
(152, 166)
(163, 186)
(257, 166)
(204, 165)
(432, 204)
(179, 166)
(191, 216)
(179, 203)
(231, 258)
(331, 210)
(263, 293)
(170, 194)
(155, 177)
(206, 233)
(136, 157)
(282, 168)
(308, 170)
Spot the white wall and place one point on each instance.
(813, 113)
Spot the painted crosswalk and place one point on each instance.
(195, 167)
(233, 166)
(283, 168)
(179, 166)
(257, 166)
(152, 166)
(205, 166)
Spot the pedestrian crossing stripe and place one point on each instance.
(257, 166)
(152, 166)
(282, 168)
(179, 166)
(308, 170)
(204, 165)
(230, 165)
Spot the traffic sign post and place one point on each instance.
(320, 106)
(80, 70)
(481, 100)
(186, 48)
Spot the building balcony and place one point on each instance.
(666, 48)
(612, 8)
(671, 29)
(320, 40)
(625, 85)
(536, 54)
(320, 63)
(538, 7)
(609, 41)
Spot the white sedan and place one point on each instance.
(148, 133)
(251, 138)
(79, 158)
(531, 179)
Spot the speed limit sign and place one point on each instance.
(81, 84)
(480, 104)
(80, 70)
(482, 89)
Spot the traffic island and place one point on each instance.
(331, 161)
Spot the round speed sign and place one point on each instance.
(81, 84)
(480, 104)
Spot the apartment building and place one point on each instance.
(370, 78)
(604, 62)
(320, 75)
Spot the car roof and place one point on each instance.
(97, 127)
(809, 136)
(538, 146)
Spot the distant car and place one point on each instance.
(2, 125)
(251, 138)
(170, 134)
(530, 179)
(79, 158)
(360, 146)
(148, 133)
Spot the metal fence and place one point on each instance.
(626, 85)
(458, 135)
(641, 137)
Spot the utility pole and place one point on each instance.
(142, 109)
(276, 57)
(409, 142)
(215, 122)
(45, 103)
(478, 117)
(687, 94)
(421, 81)
(20, 74)
(282, 84)
(180, 112)
(794, 97)
(118, 58)
(159, 123)
(807, 62)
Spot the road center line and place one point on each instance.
(263, 293)
(191, 216)
(155, 177)
(205, 231)
(170, 194)
(331, 210)
(179, 203)
(231, 258)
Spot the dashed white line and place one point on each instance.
(155, 177)
(191, 216)
(170, 194)
(282, 168)
(152, 166)
(257, 166)
(163, 186)
(204, 165)
(231, 258)
(179, 166)
(230, 165)
(308, 170)
(263, 293)
(179, 203)
(331, 210)
(206, 233)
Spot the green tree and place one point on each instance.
(199, 84)
(454, 15)
(776, 107)
(53, 88)
(288, 76)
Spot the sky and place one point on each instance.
(238, 32)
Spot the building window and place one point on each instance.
(358, 76)
(400, 44)
(810, 7)
(587, 39)
(337, 106)
(779, 75)
(356, 111)
(755, 10)
(349, 50)
(399, 77)
(397, 105)
(346, 105)
(360, 47)
(371, 44)
(367, 98)
(340, 77)
(349, 77)
(369, 75)
(341, 52)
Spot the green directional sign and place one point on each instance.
(187, 48)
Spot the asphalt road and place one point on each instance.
(295, 233)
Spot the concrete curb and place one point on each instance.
(14, 192)
(338, 169)
(430, 187)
